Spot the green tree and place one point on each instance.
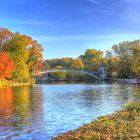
(5, 34)
(77, 64)
(35, 51)
(125, 52)
(109, 62)
(26, 54)
(58, 75)
(136, 61)
(16, 46)
(66, 63)
(91, 59)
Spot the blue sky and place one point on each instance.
(69, 27)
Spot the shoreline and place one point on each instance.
(122, 124)
(6, 83)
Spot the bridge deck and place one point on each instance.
(87, 72)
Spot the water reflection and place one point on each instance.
(19, 111)
(41, 112)
(6, 108)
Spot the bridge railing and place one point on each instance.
(51, 69)
(89, 72)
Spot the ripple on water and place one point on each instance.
(41, 112)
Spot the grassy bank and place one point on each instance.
(9, 83)
(121, 125)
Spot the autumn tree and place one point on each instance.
(39, 65)
(92, 58)
(25, 52)
(35, 51)
(65, 63)
(126, 51)
(77, 64)
(58, 75)
(136, 59)
(53, 63)
(6, 65)
(16, 46)
(109, 62)
(5, 34)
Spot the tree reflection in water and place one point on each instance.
(19, 110)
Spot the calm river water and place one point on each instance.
(43, 111)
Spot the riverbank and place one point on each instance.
(9, 83)
(121, 125)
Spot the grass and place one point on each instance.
(121, 125)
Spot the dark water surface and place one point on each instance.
(43, 111)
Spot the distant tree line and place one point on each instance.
(122, 61)
(89, 61)
(68, 77)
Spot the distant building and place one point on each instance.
(102, 71)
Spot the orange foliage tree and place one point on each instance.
(6, 65)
